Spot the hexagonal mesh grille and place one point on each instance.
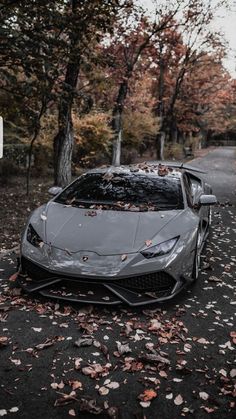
(149, 282)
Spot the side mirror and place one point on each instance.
(207, 200)
(55, 190)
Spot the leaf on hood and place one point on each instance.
(123, 257)
(148, 243)
(178, 400)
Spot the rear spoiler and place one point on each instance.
(179, 165)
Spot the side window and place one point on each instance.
(196, 187)
(188, 191)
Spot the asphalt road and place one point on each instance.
(194, 335)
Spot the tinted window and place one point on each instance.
(147, 192)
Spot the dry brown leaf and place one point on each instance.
(178, 400)
(148, 395)
(75, 384)
(13, 277)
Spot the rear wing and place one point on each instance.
(179, 165)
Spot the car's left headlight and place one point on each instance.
(160, 249)
(33, 237)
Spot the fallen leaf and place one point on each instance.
(72, 412)
(145, 404)
(103, 391)
(90, 405)
(123, 349)
(37, 329)
(148, 243)
(113, 385)
(233, 336)
(148, 395)
(203, 341)
(67, 398)
(83, 342)
(203, 395)
(14, 409)
(223, 372)
(15, 361)
(48, 342)
(13, 277)
(178, 400)
(3, 412)
(75, 384)
(233, 373)
(3, 341)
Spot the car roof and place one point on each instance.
(150, 169)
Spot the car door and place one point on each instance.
(197, 189)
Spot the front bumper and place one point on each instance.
(134, 290)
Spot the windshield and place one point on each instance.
(125, 191)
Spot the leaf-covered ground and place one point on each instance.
(15, 207)
(176, 359)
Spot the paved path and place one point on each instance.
(194, 335)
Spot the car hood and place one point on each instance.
(103, 232)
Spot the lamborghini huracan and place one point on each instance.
(131, 234)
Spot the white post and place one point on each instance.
(1, 137)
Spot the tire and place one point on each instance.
(197, 258)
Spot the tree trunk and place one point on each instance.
(160, 142)
(64, 140)
(117, 149)
(117, 121)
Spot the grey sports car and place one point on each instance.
(131, 234)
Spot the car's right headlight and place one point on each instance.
(33, 237)
(160, 249)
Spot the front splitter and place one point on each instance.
(93, 292)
